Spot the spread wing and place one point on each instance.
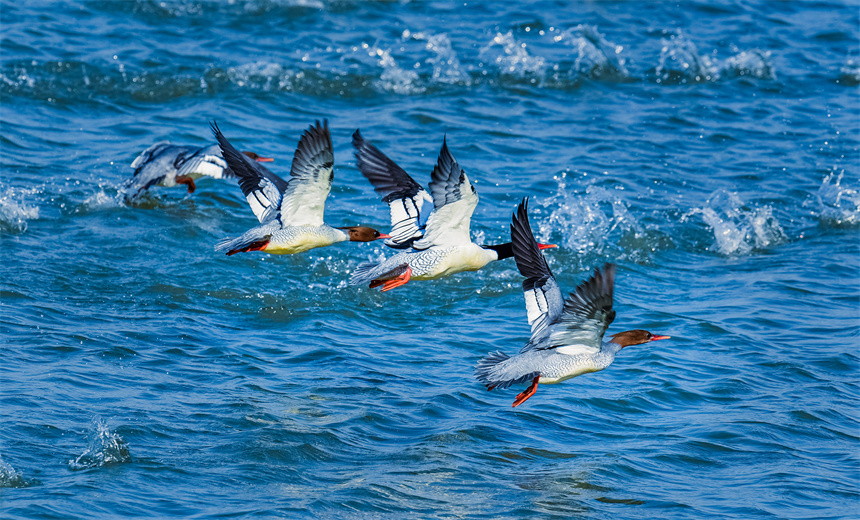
(454, 199)
(204, 161)
(404, 196)
(310, 181)
(586, 315)
(262, 188)
(148, 154)
(544, 301)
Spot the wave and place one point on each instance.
(105, 447)
(345, 70)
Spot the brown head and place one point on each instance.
(363, 234)
(258, 158)
(635, 337)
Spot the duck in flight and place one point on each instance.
(567, 335)
(167, 165)
(290, 212)
(436, 243)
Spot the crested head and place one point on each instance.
(363, 234)
(256, 157)
(635, 337)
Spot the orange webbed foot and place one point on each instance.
(188, 181)
(397, 282)
(525, 394)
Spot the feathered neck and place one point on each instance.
(505, 250)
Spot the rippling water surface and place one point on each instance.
(710, 149)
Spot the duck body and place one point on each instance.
(290, 212)
(567, 334)
(435, 244)
(428, 264)
(167, 165)
(283, 240)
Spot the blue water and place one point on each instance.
(711, 150)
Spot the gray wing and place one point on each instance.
(262, 188)
(544, 301)
(404, 196)
(454, 199)
(206, 161)
(586, 315)
(311, 174)
(148, 154)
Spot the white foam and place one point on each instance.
(585, 220)
(737, 228)
(679, 56)
(393, 78)
(753, 63)
(446, 66)
(17, 207)
(105, 447)
(596, 56)
(514, 58)
(838, 205)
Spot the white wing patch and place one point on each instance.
(577, 350)
(209, 165)
(405, 217)
(264, 201)
(536, 307)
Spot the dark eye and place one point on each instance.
(648, 335)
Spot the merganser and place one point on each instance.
(567, 335)
(167, 165)
(290, 212)
(440, 243)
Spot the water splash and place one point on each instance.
(596, 57)
(16, 209)
(738, 229)
(753, 64)
(446, 66)
(849, 74)
(105, 447)
(9, 478)
(680, 62)
(514, 59)
(839, 206)
(393, 78)
(586, 220)
(261, 75)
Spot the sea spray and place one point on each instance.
(105, 447)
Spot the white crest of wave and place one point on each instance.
(105, 447)
(16, 209)
(839, 205)
(737, 228)
(514, 59)
(393, 78)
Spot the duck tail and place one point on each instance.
(493, 372)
